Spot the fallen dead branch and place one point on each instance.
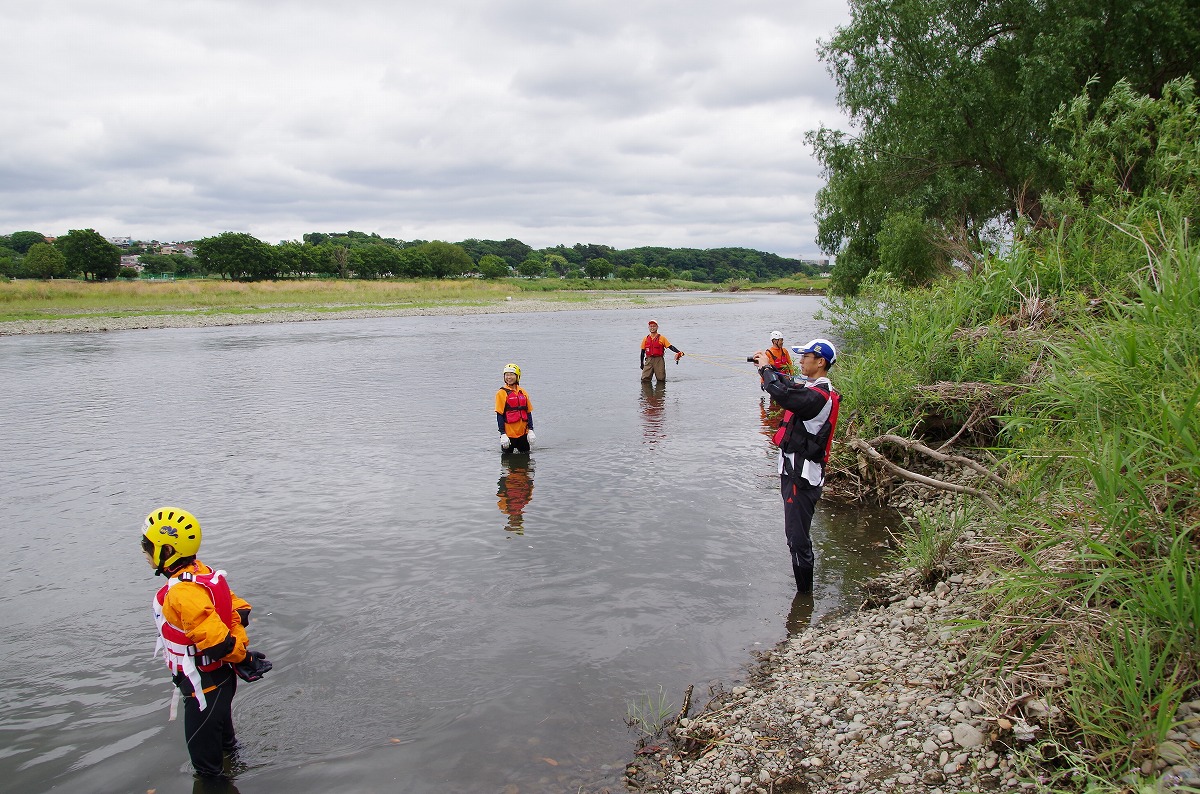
(942, 457)
(876, 456)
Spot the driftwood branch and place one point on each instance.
(917, 446)
(876, 456)
(687, 704)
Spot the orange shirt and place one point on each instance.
(518, 428)
(780, 358)
(661, 341)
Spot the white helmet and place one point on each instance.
(776, 335)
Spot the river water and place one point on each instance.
(440, 619)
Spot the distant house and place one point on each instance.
(177, 248)
(124, 242)
(131, 260)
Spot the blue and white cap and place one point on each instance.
(822, 347)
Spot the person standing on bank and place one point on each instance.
(202, 636)
(804, 438)
(514, 413)
(650, 357)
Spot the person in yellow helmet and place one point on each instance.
(201, 636)
(514, 412)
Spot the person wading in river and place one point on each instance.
(201, 634)
(514, 413)
(650, 357)
(804, 437)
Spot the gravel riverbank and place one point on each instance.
(879, 700)
(93, 324)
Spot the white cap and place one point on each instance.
(777, 334)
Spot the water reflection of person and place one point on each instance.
(800, 615)
(769, 415)
(515, 490)
(651, 404)
(214, 785)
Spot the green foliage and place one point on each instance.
(1096, 321)
(89, 253)
(46, 261)
(492, 266)
(1137, 667)
(907, 250)
(375, 260)
(953, 106)
(237, 255)
(598, 268)
(532, 268)
(513, 252)
(928, 541)
(650, 714)
(446, 259)
(21, 242)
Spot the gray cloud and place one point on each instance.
(660, 123)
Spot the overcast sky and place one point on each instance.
(678, 124)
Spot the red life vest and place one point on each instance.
(654, 345)
(793, 436)
(517, 406)
(179, 652)
(781, 362)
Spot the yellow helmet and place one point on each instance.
(170, 535)
(514, 369)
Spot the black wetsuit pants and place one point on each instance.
(799, 504)
(209, 733)
(520, 444)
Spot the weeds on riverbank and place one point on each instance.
(649, 714)
(57, 299)
(1085, 350)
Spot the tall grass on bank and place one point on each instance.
(26, 300)
(1095, 605)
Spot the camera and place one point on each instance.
(751, 359)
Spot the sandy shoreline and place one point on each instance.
(80, 325)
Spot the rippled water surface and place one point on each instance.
(440, 620)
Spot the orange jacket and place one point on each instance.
(188, 607)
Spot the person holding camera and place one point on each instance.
(804, 438)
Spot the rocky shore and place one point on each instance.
(201, 319)
(882, 699)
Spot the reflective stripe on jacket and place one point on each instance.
(178, 651)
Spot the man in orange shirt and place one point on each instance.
(781, 359)
(650, 357)
(202, 636)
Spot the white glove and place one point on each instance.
(505, 441)
(530, 435)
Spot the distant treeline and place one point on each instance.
(354, 254)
